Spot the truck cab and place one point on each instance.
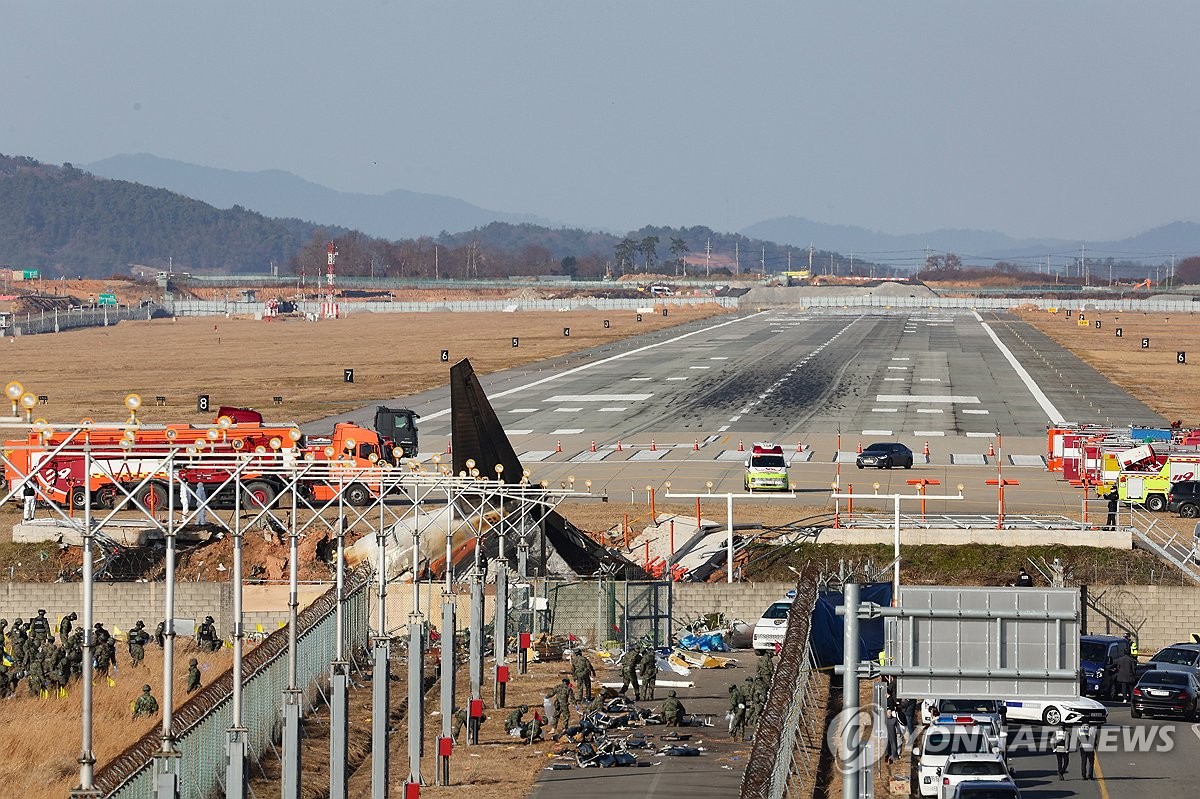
(766, 468)
(397, 427)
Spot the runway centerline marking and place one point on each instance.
(942, 399)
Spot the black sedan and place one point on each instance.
(885, 456)
(1167, 693)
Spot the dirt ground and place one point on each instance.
(43, 757)
(1153, 375)
(246, 363)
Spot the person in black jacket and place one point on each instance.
(1111, 522)
(1126, 675)
(1023, 579)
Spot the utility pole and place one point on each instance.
(1083, 264)
(436, 275)
(737, 258)
(810, 254)
(707, 257)
(763, 262)
(851, 264)
(1171, 279)
(789, 259)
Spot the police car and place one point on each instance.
(772, 626)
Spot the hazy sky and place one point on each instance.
(1069, 119)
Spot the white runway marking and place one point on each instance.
(719, 358)
(732, 455)
(885, 410)
(599, 397)
(1026, 378)
(676, 378)
(975, 411)
(931, 379)
(929, 433)
(894, 379)
(877, 432)
(901, 359)
(647, 455)
(944, 399)
(524, 410)
(611, 410)
(930, 410)
(980, 435)
(567, 431)
(722, 428)
(534, 456)
(518, 432)
(567, 410)
(899, 368)
(587, 456)
(699, 367)
(640, 379)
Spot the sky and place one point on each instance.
(1064, 119)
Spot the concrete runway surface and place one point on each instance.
(681, 402)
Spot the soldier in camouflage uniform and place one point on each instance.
(515, 720)
(583, 670)
(629, 674)
(649, 672)
(64, 626)
(737, 712)
(460, 721)
(563, 696)
(193, 680)
(671, 710)
(36, 677)
(138, 638)
(39, 627)
(145, 705)
(103, 657)
(75, 653)
(5, 676)
(160, 634)
(3, 627)
(765, 668)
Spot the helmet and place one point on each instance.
(145, 689)
(140, 624)
(732, 686)
(3, 622)
(99, 625)
(524, 708)
(73, 616)
(671, 692)
(41, 612)
(208, 619)
(193, 662)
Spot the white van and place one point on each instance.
(770, 629)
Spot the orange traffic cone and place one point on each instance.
(652, 447)
(449, 447)
(799, 446)
(593, 445)
(927, 452)
(860, 448)
(558, 446)
(619, 445)
(991, 449)
(696, 445)
(740, 447)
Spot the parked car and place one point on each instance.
(972, 767)
(1054, 712)
(1184, 498)
(1167, 693)
(885, 456)
(986, 790)
(1094, 652)
(1177, 657)
(770, 629)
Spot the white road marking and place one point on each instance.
(599, 397)
(648, 455)
(1026, 378)
(944, 399)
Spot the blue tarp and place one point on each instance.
(1150, 434)
(709, 642)
(827, 628)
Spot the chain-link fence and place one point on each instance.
(202, 723)
(596, 611)
(789, 737)
(53, 320)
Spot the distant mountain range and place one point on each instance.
(975, 246)
(402, 214)
(397, 214)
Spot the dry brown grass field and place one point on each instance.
(1153, 375)
(246, 363)
(42, 741)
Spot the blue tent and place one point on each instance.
(827, 627)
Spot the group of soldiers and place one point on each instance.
(746, 701)
(48, 659)
(639, 669)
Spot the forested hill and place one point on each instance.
(64, 221)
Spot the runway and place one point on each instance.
(680, 402)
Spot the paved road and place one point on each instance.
(716, 772)
(1125, 770)
(697, 393)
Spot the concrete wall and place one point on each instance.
(119, 604)
(1156, 615)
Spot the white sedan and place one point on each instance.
(1056, 711)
